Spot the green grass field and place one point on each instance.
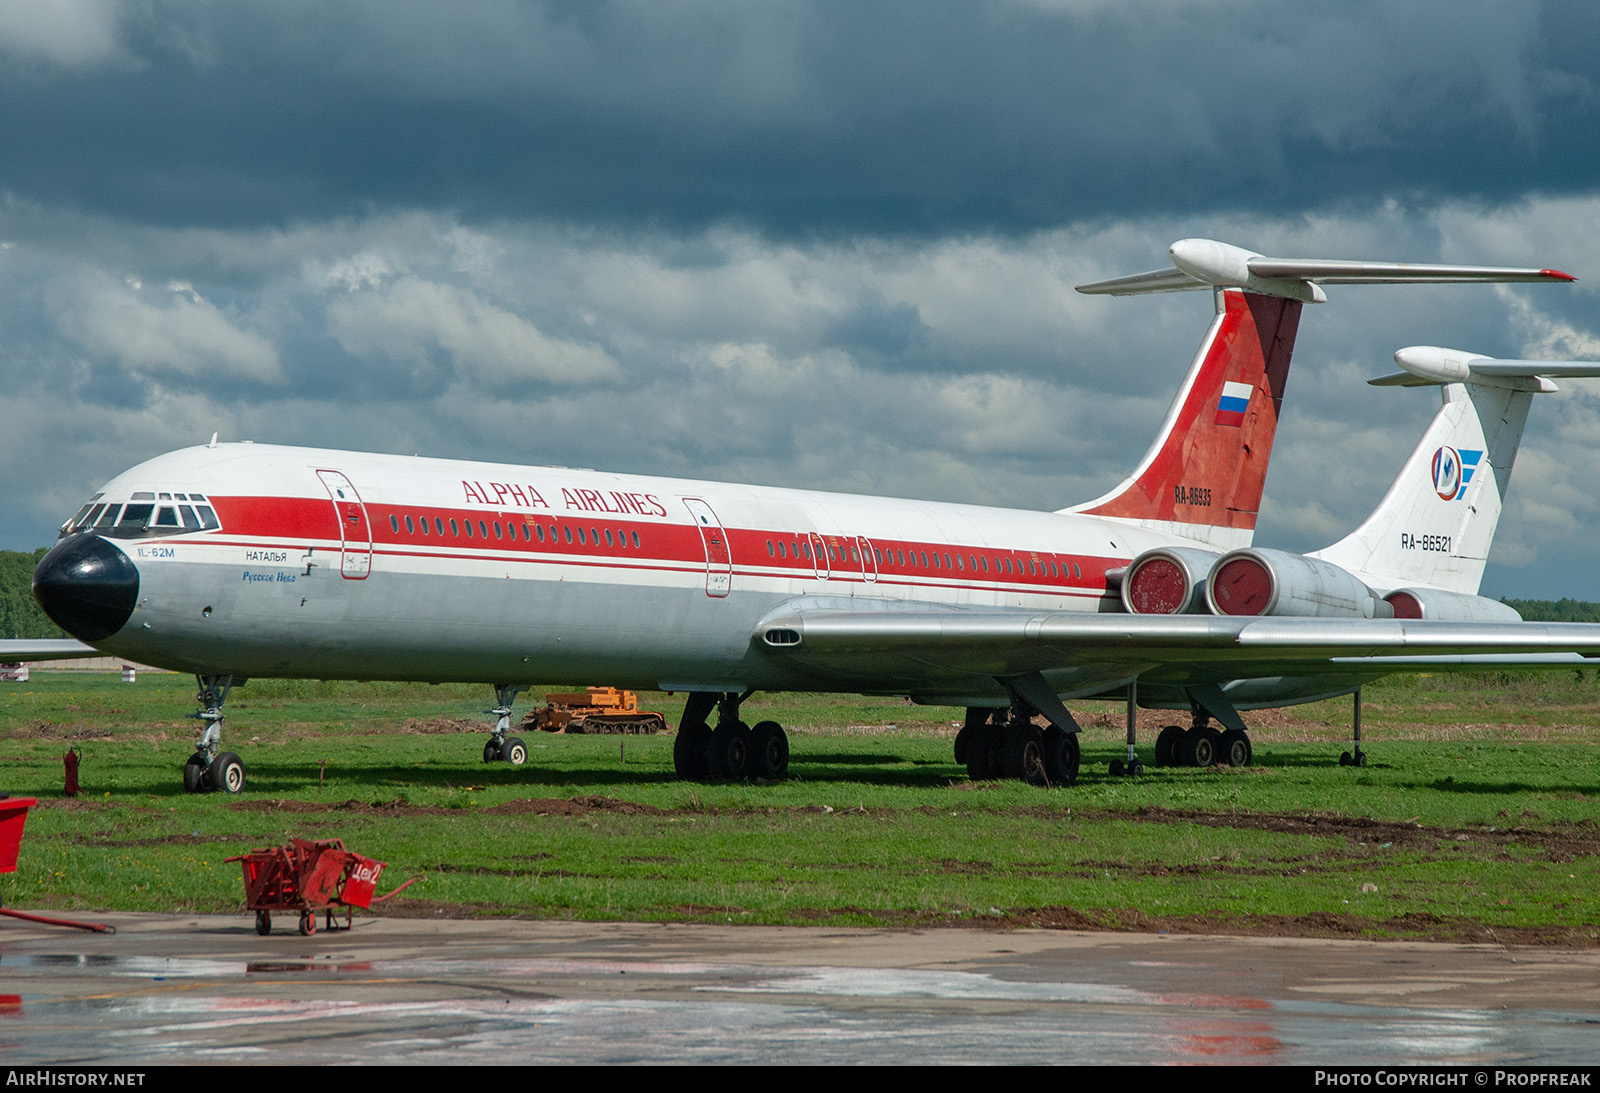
(1475, 819)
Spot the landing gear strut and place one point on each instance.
(731, 750)
(500, 746)
(210, 768)
(1359, 759)
(1130, 766)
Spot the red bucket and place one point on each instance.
(13, 814)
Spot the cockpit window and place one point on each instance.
(143, 519)
(135, 518)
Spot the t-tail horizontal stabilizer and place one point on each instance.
(1427, 365)
(1206, 263)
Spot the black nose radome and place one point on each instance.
(87, 586)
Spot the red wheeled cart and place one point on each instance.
(309, 877)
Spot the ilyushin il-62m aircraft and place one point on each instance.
(238, 560)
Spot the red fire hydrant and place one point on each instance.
(70, 761)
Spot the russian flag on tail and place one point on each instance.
(1233, 404)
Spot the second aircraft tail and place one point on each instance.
(1436, 524)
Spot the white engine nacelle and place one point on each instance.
(1275, 582)
(1441, 606)
(1168, 581)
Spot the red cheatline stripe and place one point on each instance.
(300, 518)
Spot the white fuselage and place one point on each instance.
(321, 568)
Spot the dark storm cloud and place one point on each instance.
(827, 118)
(825, 245)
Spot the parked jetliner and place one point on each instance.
(1420, 555)
(239, 560)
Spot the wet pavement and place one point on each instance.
(208, 990)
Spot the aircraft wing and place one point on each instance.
(1078, 651)
(14, 651)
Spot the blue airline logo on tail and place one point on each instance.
(1453, 469)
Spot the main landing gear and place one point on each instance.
(511, 749)
(733, 749)
(997, 743)
(1201, 745)
(210, 768)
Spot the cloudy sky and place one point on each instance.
(799, 243)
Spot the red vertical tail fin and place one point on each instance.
(1203, 476)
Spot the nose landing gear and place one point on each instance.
(500, 746)
(210, 768)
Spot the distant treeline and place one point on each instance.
(20, 617)
(1563, 610)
